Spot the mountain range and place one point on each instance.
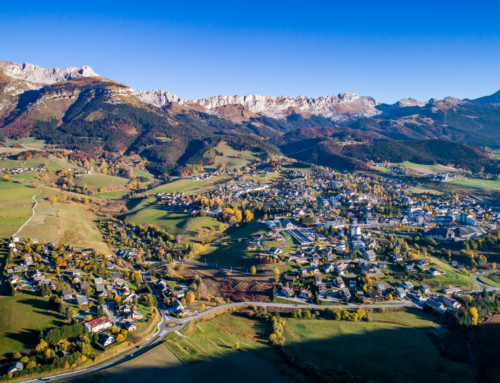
(74, 107)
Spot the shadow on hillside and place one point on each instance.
(241, 367)
(133, 203)
(380, 352)
(27, 336)
(376, 351)
(28, 98)
(35, 303)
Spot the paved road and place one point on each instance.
(482, 285)
(163, 331)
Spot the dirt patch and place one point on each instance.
(244, 291)
(72, 236)
(113, 207)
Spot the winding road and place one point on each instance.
(483, 286)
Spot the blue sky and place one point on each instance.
(388, 50)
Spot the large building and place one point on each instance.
(98, 324)
(455, 234)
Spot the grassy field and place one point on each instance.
(112, 195)
(53, 163)
(428, 169)
(198, 224)
(188, 186)
(100, 180)
(382, 352)
(490, 280)
(75, 224)
(409, 317)
(29, 142)
(270, 243)
(477, 183)
(230, 159)
(464, 185)
(26, 177)
(160, 365)
(451, 278)
(294, 166)
(380, 169)
(289, 301)
(494, 276)
(16, 202)
(142, 173)
(4, 288)
(235, 253)
(21, 316)
(174, 223)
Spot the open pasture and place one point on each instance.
(53, 163)
(16, 202)
(99, 180)
(232, 250)
(189, 186)
(28, 143)
(230, 157)
(21, 316)
(429, 169)
(382, 348)
(173, 223)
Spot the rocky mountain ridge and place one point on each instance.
(337, 108)
(36, 77)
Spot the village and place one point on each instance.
(321, 237)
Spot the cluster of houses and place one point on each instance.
(174, 296)
(18, 170)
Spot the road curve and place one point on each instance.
(483, 286)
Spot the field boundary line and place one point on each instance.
(33, 209)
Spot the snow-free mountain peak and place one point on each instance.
(36, 77)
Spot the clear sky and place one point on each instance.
(385, 49)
